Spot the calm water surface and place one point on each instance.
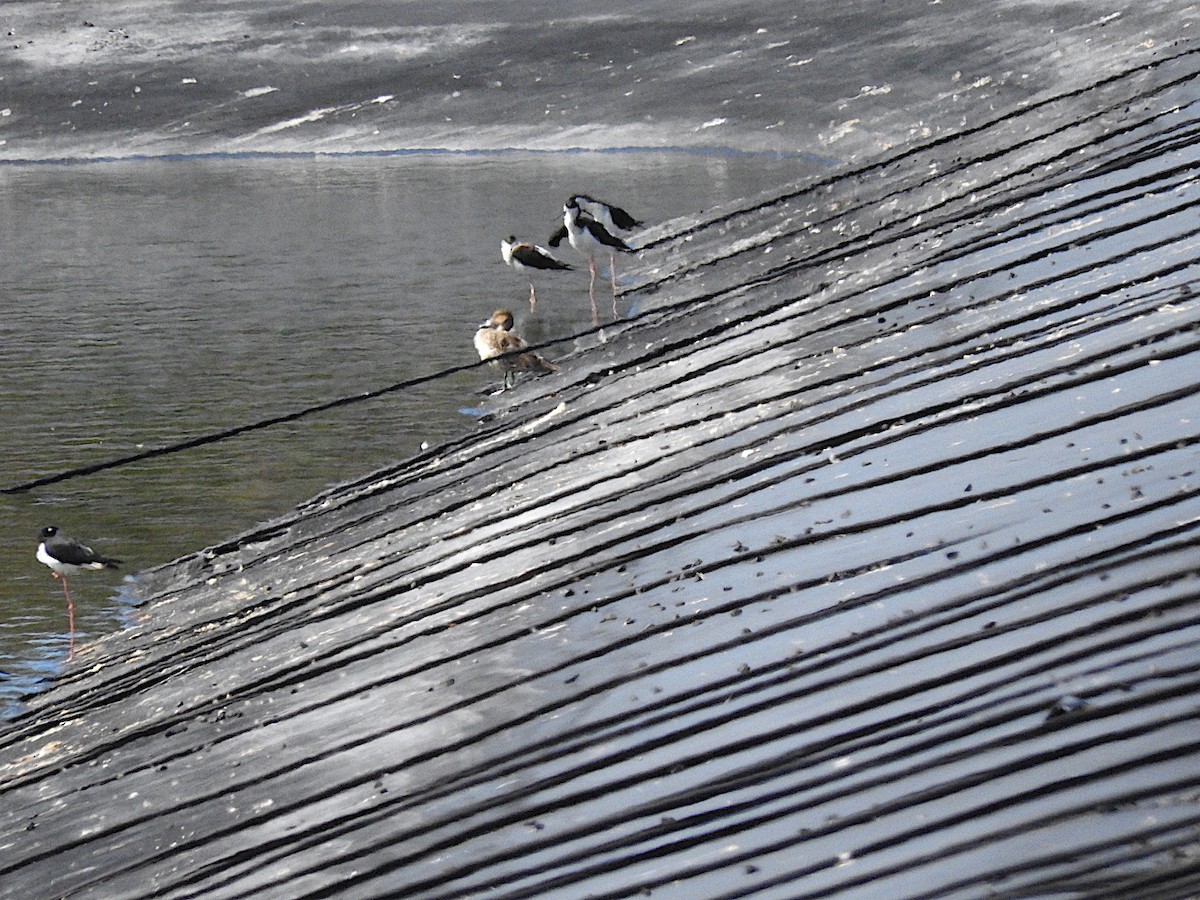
(147, 302)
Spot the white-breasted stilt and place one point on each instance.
(529, 258)
(66, 556)
(590, 237)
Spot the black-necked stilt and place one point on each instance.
(66, 556)
(496, 341)
(588, 237)
(528, 258)
(611, 217)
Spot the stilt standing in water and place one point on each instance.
(528, 258)
(589, 237)
(496, 341)
(66, 556)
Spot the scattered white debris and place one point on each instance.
(713, 123)
(315, 116)
(839, 131)
(258, 91)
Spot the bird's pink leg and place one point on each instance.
(532, 297)
(592, 290)
(612, 272)
(70, 618)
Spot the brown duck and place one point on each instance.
(496, 341)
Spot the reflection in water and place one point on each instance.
(151, 301)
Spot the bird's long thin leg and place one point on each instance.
(592, 290)
(532, 297)
(612, 273)
(70, 618)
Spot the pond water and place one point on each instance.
(151, 301)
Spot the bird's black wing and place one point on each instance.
(74, 553)
(600, 233)
(622, 219)
(532, 258)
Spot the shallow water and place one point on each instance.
(149, 301)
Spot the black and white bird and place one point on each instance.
(589, 237)
(67, 556)
(611, 217)
(496, 341)
(529, 258)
